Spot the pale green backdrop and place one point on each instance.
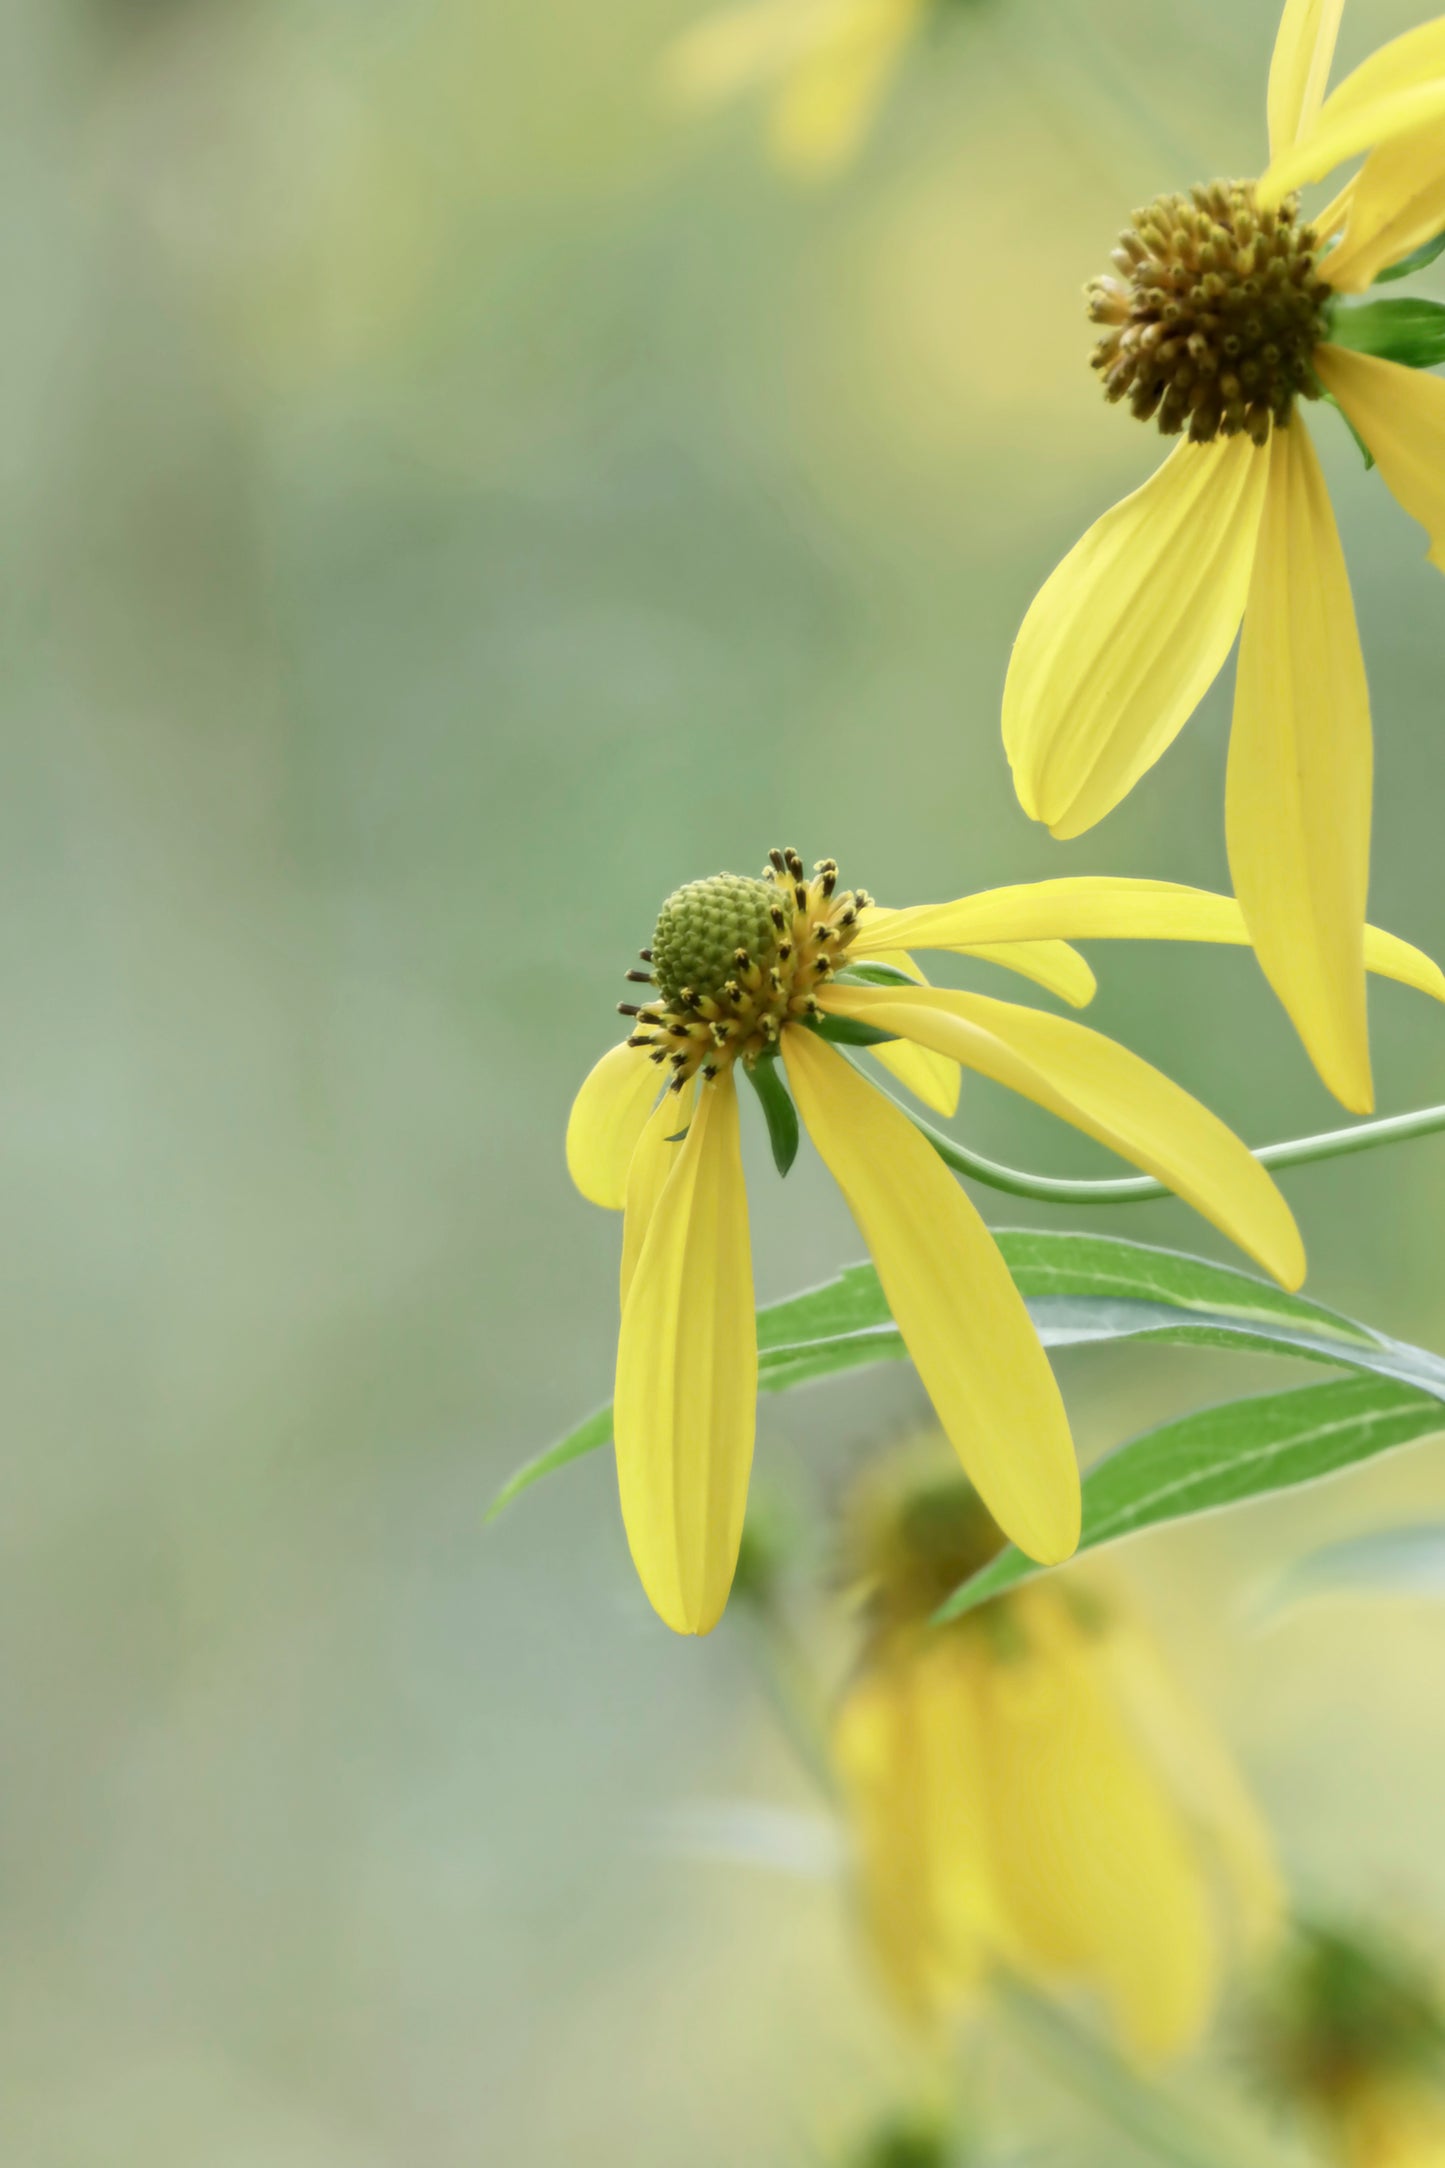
(447, 500)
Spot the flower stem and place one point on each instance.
(1164, 2126)
(1132, 1189)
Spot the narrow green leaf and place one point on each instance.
(1409, 330)
(586, 1438)
(778, 1109)
(1225, 1455)
(1080, 1290)
(1418, 260)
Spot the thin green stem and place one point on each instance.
(1165, 2127)
(1134, 1188)
(787, 1677)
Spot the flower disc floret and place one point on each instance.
(702, 926)
(1214, 314)
(735, 960)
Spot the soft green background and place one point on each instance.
(447, 501)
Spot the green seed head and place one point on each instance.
(701, 928)
(1214, 311)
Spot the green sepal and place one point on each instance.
(1360, 445)
(1418, 260)
(874, 975)
(778, 1109)
(1409, 331)
(847, 1031)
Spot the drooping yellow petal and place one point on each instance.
(906, 1751)
(828, 102)
(656, 1155)
(1104, 908)
(1106, 1091)
(1053, 965)
(1202, 1778)
(961, 1317)
(929, 1076)
(1396, 204)
(1400, 413)
(1297, 796)
(606, 1121)
(1125, 637)
(1049, 963)
(1400, 88)
(687, 1370)
(1092, 1863)
(1303, 50)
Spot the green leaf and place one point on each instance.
(1080, 1290)
(1223, 1456)
(778, 1109)
(1410, 330)
(1407, 1561)
(586, 1438)
(1418, 260)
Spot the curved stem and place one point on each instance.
(1134, 1188)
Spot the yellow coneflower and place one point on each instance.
(1027, 1787)
(826, 64)
(749, 970)
(1351, 2033)
(1218, 320)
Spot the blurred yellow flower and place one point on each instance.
(825, 65)
(1027, 1787)
(1218, 322)
(1351, 2031)
(756, 969)
(1393, 2131)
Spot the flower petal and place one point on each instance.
(1400, 413)
(1303, 50)
(1053, 965)
(1126, 636)
(961, 1317)
(1297, 797)
(1091, 1859)
(1049, 963)
(1400, 87)
(1107, 1092)
(606, 1121)
(1102, 907)
(687, 1369)
(930, 1077)
(828, 103)
(1200, 1774)
(905, 1747)
(1397, 203)
(656, 1155)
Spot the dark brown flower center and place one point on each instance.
(1214, 311)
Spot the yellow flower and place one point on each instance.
(1218, 323)
(751, 970)
(1350, 2031)
(1394, 2129)
(1028, 1787)
(826, 63)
